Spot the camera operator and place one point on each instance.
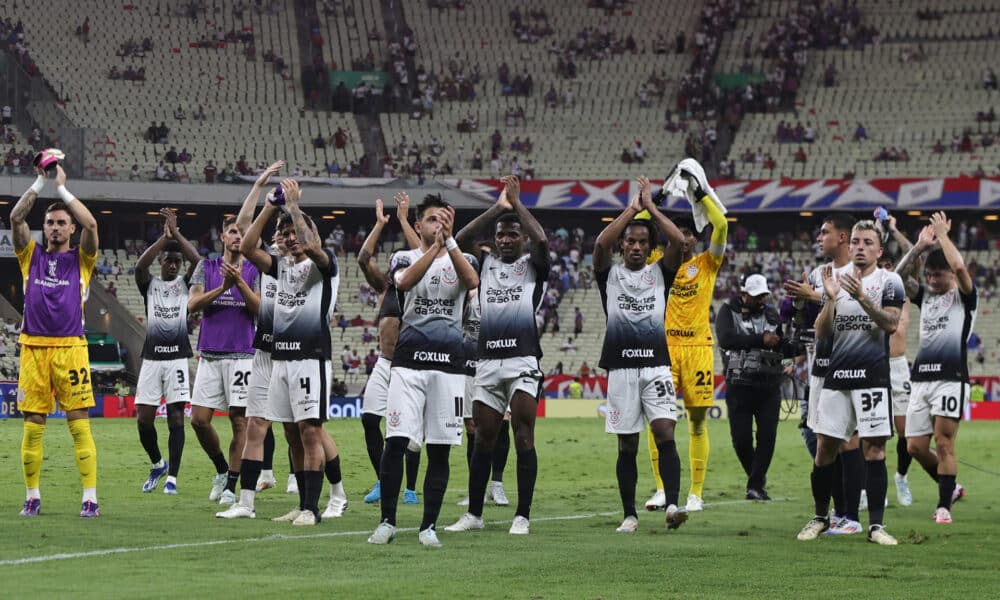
(749, 334)
(799, 318)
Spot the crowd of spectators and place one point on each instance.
(12, 40)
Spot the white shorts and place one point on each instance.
(842, 412)
(633, 393)
(377, 389)
(470, 391)
(931, 399)
(425, 406)
(498, 378)
(812, 402)
(163, 379)
(299, 390)
(260, 380)
(899, 376)
(222, 383)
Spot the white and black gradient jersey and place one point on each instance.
(635, 303)
(471, 321)
(860, 355)
(430, 334)
(302, 307)
(263, 338)
(818, 354)
(946, 321)
(509, 295)
(166, 319)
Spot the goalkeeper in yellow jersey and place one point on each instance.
(688, 330)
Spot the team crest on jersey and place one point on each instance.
(873, 291)
(449, 276)
(520, 267)
(938, 306)
(52, 268)
(394, 418)
(691, 271)
(647, 278)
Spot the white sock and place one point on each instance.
(247, 497)
(171, 479)
(159, 464)
(337, 490)
(89, 494)
(267, 475)
(32, 493)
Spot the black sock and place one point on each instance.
(903, 458)
(374, 441)
(854, 481)
(391, 477)
(219, 460)
(628, 474)
(147, 437)
(946, 487)
(332, 470)
(479, 477)
(469, 449)
(175, 446)
(232, 477)
(435, 482)
(300, 482)
(527, 473)
(500, 451)
(249, 473)
(932, 472)
(670, 470)
(823, 481)
(291, 463)
(268, 463)
(837, 491)
(314, 488)
(412, 468)
(876, 484)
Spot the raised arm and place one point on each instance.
(663, 224)
(366, 256)
(529, 224)
(172, 231)
(250, 245)
(403, 214)
(88, 236)
(942, 226)
(467, 237)
(245, 216)
(700, 190)
(908, 266)
(303, 232)
(604, 246)
(904, 243)
(824, 321)
(142, 276)
(19, 215)
(407, 277)
(467, 274)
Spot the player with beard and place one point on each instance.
(508, 351)
(164, 373)
(376, 392)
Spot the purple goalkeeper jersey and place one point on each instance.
(55, 287)
(227, 325)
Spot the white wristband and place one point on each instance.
(65, 195)
(38, 185)
(450, 244)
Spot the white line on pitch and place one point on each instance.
(281, 536)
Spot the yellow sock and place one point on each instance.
(32, 453)
(85, 451)
(698, 448)
(654, 458)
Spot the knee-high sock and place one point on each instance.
(903, 458)
(527, 473)
(249, 474)
(268, 463)
(335, 478)
(876, 484)
(391, 477)
(412, 468)
(373, 440)
(853, 462)
(435, 482)
(314, 488)
(32, 453)
(823, 481)
(946, 487)
(479, 476)
(837, 491)
(698, 448)
(175, 448)
(147, 437)
(670, 470)
(628, 473)
(654, 458)
(469, 449)
(85, 452)
(500, 451)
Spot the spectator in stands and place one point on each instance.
(171, 155)
(477, 160)
(569, 346)
(12, 327)
(114, 73)
(179, 114)
(320, 142)
(6, 114)
(800, 155)
(3, 347)
(557, 370)
(578, 322)
(989, 79)
(134, 174)
(184, 157)
(199, 115)
(939, 147)
(638, 152)
(162, 133)
(342, 323)
(116, 270)
(162, 174)
(979, 173)
(370, 359)
(585, 370)
(860, 133)
(210, 172)
(112, 289)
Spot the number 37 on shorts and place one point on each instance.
(873, 408)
